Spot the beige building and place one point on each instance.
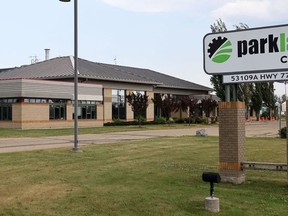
(41, 95)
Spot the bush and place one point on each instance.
(160, 120)
(205, 120)
(214, 120)
(120, 122)
(283, 132)
(170, 121)
(141, 120)
(265, 114)
(179, 120)
(193, 120)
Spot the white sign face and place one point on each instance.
(256, 77)
(254, 50)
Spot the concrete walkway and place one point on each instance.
(255, 129)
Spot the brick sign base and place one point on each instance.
(231, 141)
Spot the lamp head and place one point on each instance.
(211, 177)
(65, 0)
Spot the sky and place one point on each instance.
(162, 35)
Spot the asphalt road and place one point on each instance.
(253, 129)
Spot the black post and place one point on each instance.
(211, 189)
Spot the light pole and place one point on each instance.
(75, 147)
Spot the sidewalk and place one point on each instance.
(255, 129)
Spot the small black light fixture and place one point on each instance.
(212, 178)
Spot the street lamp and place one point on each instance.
(75, 147)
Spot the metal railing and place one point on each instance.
(249, 165)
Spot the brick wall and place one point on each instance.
(100, 111)
(35, 116)
(150, 108)
(107, 101)
(231, 141)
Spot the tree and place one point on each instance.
(208, 105)
(217, 80)
(268, 96)
(158, 102)
(219, 87)
(182, 104)
(219, 26)
(245, 95)
(244, 88)
(139, 104)
(241, 26)
(256, 98)
(283, 98)
(167, 103)
(245, 91)
(192, 106)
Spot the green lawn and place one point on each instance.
(6, 133)
(154, 177)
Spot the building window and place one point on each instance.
(6, 112)
(35, 100)
(57, 109)
(8, 100)
(87, 110)
(6, 108)
(118, 104)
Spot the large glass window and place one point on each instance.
(57, 109)
(6, 112)
(6, 108)
(118, 104)
(86, 110)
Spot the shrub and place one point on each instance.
(179, 120)
(193, 120)
(199, 120)
(214, 119)
(141, 120)
(160, 120)
(283, 132)
(265, 114)
(120, 122)
(205, 120)
(170, 121)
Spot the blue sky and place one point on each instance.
(161, 35)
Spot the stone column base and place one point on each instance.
(234, 180)
(232, 173)
(212, 204)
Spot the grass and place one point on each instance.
(8, 133)
(154, 177)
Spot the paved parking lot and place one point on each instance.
(253, 129)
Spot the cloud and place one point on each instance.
(152, 6)
(257, 9)
(253, 11)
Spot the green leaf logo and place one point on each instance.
(220, 50)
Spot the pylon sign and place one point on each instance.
(257, 50)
